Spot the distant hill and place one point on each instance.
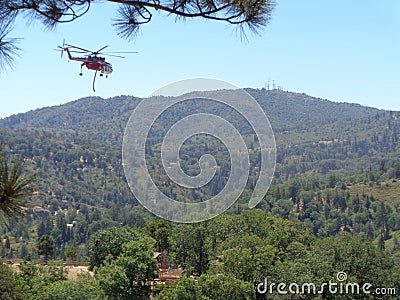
(77, 146)
(285, 110)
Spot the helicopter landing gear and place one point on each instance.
(80, 74)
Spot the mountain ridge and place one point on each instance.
(299, 102)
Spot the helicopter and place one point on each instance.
(90, 59)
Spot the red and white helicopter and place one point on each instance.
(91, 60)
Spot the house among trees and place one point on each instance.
(161, 260)
(40, 212)
(165, 273)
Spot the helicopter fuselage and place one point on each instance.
(95, 63)
(98, 64)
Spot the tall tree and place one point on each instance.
(191, 247)
(138, 262)
(161, 231)
(127, 276)
(109, 242)
(71, 252)
(45, 246)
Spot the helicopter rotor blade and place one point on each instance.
(61, 49)
(120, 52)
(79, 48)
(73, 51)
(63, 46)
(113, 55)
(98, 51)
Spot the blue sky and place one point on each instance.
(347, 51)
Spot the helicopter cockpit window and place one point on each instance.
(107, 69)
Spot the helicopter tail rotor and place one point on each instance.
(61, 48)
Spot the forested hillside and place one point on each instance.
(77, 146)
(338, 169)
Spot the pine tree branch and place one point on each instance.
(14, 189)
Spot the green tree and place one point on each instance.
(207, 287)
(71, 252)
(2, 250)
(7, 243)
(185, 288)
(109, 242)
(9, 287)
(45, 246)
(248, 263)
(225, 287)
(84, 287)
(362, 261)
(36, 277)
(191, 248)
(24, 251)
(113, 281)
(128, 275)
(138, 262)
(160, 230)
(14, 186)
